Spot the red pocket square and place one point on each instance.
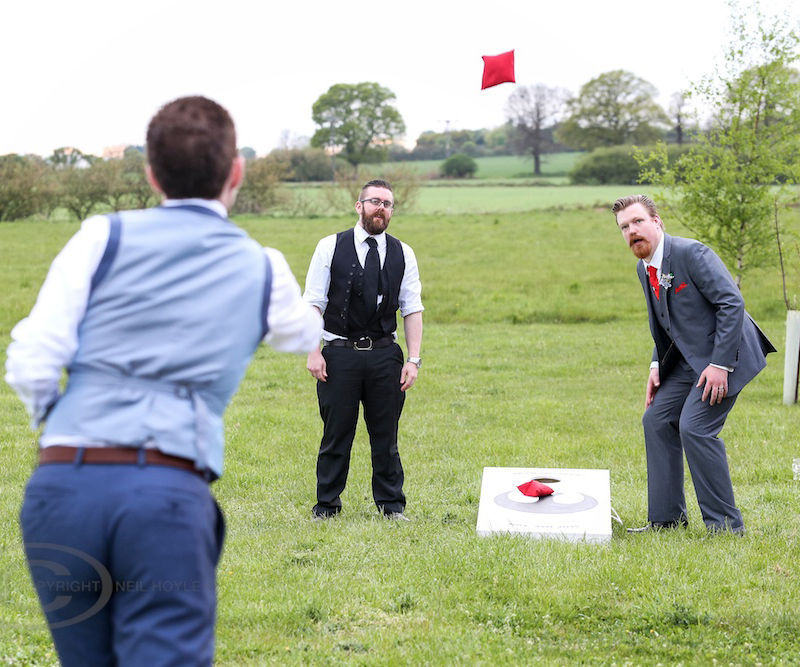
(680, 287)
(535, 489)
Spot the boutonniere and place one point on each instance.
(666, 280)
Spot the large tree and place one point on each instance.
(359, 119)
(532, 111)
(727, 187)
(614, 108)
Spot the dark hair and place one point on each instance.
(191, 145)
(623, 202)
(375, 183)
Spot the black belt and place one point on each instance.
(118, 455)
(362, 344)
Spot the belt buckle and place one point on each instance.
(362, 349)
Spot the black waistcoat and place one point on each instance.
(346, 314)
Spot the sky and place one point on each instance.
(91, 73)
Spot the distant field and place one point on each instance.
(498, 199)
(476, 197)
(468, 196)
(503, 166)
(442, 197)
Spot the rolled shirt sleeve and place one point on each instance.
(318, 278)
(410, 288)
(294, 326)
(45, 342)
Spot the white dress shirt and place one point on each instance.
(318, 279)
(657, 258)
(46, 341)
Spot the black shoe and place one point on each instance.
(321, 513)
(661, 525)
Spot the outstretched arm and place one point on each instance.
(294, 325)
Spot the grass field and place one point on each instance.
(473, 198)
(504, 167)
(536, 350)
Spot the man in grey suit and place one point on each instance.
(707, 348)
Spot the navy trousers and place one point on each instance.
(123, 558)
(370, 378)
(678, 421)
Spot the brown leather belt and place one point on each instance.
(117, 455)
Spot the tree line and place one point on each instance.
(31, 185)
(84, 184)
(359, 122)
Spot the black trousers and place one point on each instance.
(371, 378)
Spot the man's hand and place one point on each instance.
(316, 365)
(653, 383)
(408, 376)
(716, 384)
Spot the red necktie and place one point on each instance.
(653, 271)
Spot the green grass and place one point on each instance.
(474, 197)
(503, 167)
(499, 199)
(536, 350)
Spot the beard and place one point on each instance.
(375, 223)
(643, 249)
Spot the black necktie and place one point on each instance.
(372, 270)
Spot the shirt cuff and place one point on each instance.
(724, 368)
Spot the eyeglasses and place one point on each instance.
(378, 202)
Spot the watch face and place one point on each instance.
(416, 361)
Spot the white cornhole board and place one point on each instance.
(578, 510)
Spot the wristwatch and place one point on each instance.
(417, 361)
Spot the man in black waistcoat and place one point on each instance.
(358, 279)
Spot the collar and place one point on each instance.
(211, 204)
(658, 256)
(361, 236)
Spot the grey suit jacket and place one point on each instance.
(701, 315)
